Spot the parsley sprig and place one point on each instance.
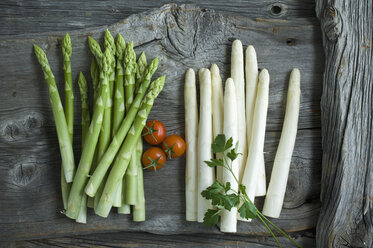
(223, 196)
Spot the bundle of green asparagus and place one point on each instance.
(109, 172)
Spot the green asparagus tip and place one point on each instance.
(106, 61)
(109, 42)
(129, 61)
(82, 82)
(66, 47)
(154, 65)
(156, 87)
(142, 57)
(120, 46)
(41, 56)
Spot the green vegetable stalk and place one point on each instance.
(105, 134)
(86, 119)
(95, 75)
(129, 85)
(129, 144)
(64, 139)
(81, 177)
(69, 108)
(139, 207)
(222, 197)
(98, 175)
(118, 109)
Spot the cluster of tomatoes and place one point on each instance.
(173, 146)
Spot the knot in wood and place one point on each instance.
(331, 23)
(21, 126)
(24, 173)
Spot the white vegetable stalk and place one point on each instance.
(191, 138)
(237, 74)
(217, 110)
(206, 175)
(277, 185)
(251, 73)
(254, 158)
(261, 183)
(229, 218)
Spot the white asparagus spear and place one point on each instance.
(217, 110)
(277, 185)
(251, 73)
(261, 183)
(229, 218)
(191, 136)
(250, 176)
(237, 74)
(206, 175)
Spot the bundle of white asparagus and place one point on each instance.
(240, 113)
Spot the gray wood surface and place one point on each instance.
(346, 218)
(30, 174)
(306, 239)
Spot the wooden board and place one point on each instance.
(182, 37)
(346, 218)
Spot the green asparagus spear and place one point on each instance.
(86, 119)
(69, 108)
(139, 207)
(69, 96)
(124, 155)
(59, 117)
(81, 177)
(129, 86)
(140, 69)
(118, 106)
(95, 75)
(104, 139)
(103, 166)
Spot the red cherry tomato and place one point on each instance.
(153, 158)
(154, 132)
(173, 146)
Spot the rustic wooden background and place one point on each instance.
(289, 25)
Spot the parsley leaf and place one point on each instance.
(219, 144)
(228, 144)
(247, 210)
(214, 162)
(211, 217)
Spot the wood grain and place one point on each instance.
(131, 239)
(182, 36)
(346, 218)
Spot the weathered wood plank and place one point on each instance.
(29, 168)
(346, 217)
(22, 16)
(130, 239)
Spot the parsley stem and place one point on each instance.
(269, 229)
(278, 229)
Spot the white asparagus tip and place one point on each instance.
(263, 78)
(237, 43)
(203, 72)
(251, 54)
(189, 75)
(294, 82)
(229, 86)
(214, 69)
